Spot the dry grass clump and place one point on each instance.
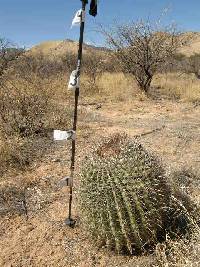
(121, 87)
(23, 108)
(127, 201)
(117, 86)
(18, 153)
(179, 253)
(12, 200)
(185, 87)
(186, 179)
(12, 154)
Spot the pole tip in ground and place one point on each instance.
(70, 222)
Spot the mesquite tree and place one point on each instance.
(143, 48)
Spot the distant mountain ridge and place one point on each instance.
(61, 47)
(193, 45)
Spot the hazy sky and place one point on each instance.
(28, 22)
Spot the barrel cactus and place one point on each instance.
(123, 196)
(126, 200)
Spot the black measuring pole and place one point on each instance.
(69, 221)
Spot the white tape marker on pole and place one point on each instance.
(77, 18)
(64, 135)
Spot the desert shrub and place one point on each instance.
(69, 62)
(18, 153)
(126, 199)
(27, 118)
(178, 63)
(31, 105)
(93, 67)
(12, 200)
(194, 65)
(30, 108)
(39, 64)
(183, 64)
(22, 109)
(12, 154)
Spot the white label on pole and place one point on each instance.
(59, 135)
(64, 135)
(77, 19)
(74, 81)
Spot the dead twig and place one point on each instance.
(150, 132)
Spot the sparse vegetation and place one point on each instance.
(173, 86)
(29, 110)
(34, 101)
